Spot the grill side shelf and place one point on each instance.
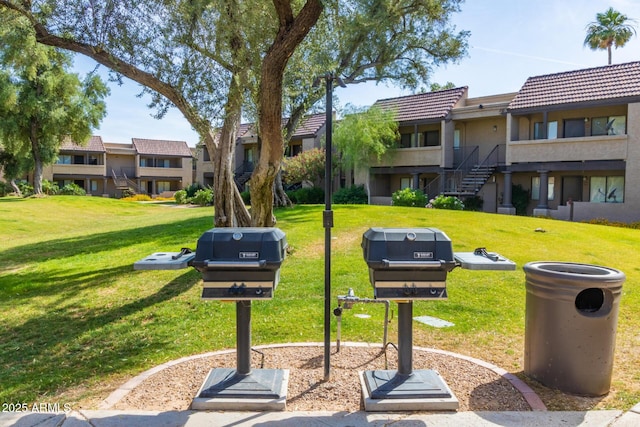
(165, 261)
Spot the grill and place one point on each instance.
(407, 264)
(240, 263)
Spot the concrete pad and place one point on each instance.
(29, 419)
(249, 403)
(630, 419)
(407, 404)
(348, 419)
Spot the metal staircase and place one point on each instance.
(471, 175)
(242, 175)
(122, 182)
(473, 181)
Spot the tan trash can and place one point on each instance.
(570, 325)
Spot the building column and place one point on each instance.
(87, 185)
(507, 207)
(543, 208)
(544, 190)
(104, 187)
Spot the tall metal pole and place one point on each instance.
(328, 223)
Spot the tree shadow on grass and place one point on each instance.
(70, 345)
(69, 334)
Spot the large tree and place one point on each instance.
(610, 28)
(190, 54)
(41, 104)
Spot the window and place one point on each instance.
(78, 160)
(64, 159)
(617, 125)
(163, 186)
(405, 183)
(599, 126)
(535, 188)
(607, 189)
(93, 160)
(431, 138)
(613, 125)
(293, 150)
(143, 162)
(205, 154)
(552, 130)
(93, 184)
(573, 128)
(405, 140)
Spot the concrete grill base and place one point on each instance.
(261, 390)
(423, 390)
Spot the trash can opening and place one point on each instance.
(592, 302)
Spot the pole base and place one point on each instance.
(260, 390)
(422, 390)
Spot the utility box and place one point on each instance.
(570, 325)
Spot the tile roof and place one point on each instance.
(161, 148)
(587, 85)
(423, 106)
(93, 145)
(310, 125)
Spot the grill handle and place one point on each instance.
(237, 264)
(421, 265)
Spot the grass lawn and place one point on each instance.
(76, 320)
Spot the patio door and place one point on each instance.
(571, 189)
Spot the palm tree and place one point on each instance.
(610, 28)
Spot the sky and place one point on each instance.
(510, 41)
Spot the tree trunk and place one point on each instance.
(15, 187)
(291, 32)
(280, 196)
(229, 210)
(37, 160)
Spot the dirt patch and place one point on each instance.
(476, 387)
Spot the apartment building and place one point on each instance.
(146, 166)
(307, 136)
(570, 140)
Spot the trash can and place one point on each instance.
(570, 325)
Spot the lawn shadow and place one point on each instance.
(68, 345)
(64, 341)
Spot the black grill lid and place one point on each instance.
(407, 248)
(240, 247)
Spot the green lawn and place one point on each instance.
(76, 320)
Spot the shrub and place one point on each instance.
(307, 196)
(446, 202)
(25, 188)
(180, 197)
(5, 188)
(72, 190)
(246, 197)
(203, 197)
(473, 203)
(137, 198)
(193, 189)
(50, 188)
(409, 197)
(355, 195)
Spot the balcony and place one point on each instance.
(613, 147)
(79, 169)
(415, 156)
